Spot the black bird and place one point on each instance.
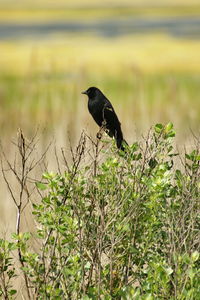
(104, 115)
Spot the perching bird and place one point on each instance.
(104, 115)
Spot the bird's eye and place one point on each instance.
(91, 93)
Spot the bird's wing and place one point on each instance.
(109, 108)
(109, 112)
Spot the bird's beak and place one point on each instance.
(84, 92)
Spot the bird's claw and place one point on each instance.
(103, 123)
(99, 135)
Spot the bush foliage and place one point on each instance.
(124, 226)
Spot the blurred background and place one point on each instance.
(143, 54)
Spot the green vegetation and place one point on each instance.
(105, 225)
(124, 226)
(149, 78)
(53, 100)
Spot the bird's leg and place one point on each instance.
(102, 128)
(103, 125)
(99, 134)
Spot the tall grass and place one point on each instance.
(33, 95)
(148, 79)
(54, 101)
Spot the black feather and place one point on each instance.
(104, 115)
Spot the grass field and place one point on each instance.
(92, 13)
(45, 10)
(149, 78)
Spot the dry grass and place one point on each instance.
(69, 53)
(149, 79)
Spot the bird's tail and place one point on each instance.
(121, 143)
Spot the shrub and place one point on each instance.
(124, 227)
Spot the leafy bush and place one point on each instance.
(124, 227)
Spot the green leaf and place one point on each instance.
(136, 156)
(87, 265)
(46, 200)
(41, 186)
(169, 271)
(15, 236)
(152, 163)
(195, 256)
(193, 156)
(158, 128)
(172, 133)
(48, 176)
(168, 127)
(148, 297)
(12, 292)
(134, 147)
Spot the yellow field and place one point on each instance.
(152, 53)
(96, 2)
(149, 78)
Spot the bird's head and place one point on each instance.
(92, 92)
